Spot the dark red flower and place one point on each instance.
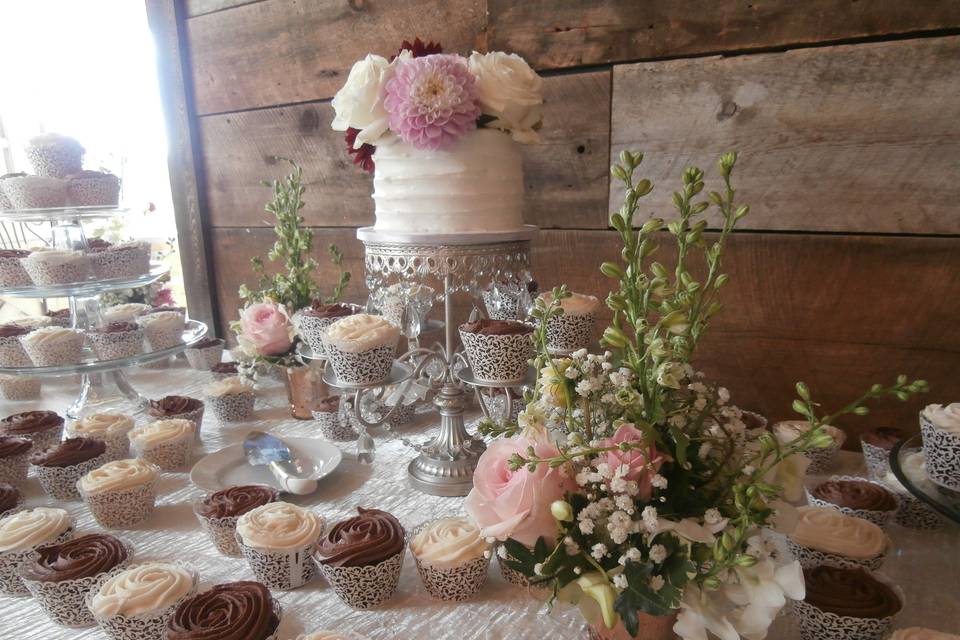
(418, 48)
(362, 156)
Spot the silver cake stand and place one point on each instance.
(453, 264)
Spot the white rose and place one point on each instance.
(359, 104)
(509, 91)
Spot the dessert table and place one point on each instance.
(925, 565)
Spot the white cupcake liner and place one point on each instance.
(235, 407)
(366, 367)
(810, 558)
(19, 389)
(508, 309)
(118, 444)
(159, 339)
(13, 469)
(128, 262)
(917, 514)
(822, 459)
(311, 329)
(222, 533)
(816, 624)
(879, 518)
(568, 333)
(12, 273)
(121, 509)
(64, 602)
(12, 353)
(42, 439)
(60, 353)
(942, 451)
(333, 428)
(55, 161)
(204, 359)
(24, 193)
(498, 358)
(169, 456)
(149, 625)
(10, 582)
(280, 570)
(877, 460)
(60, 483)
(116, 345)
(451, 584)
(102, 191)
(44, 274)
(365, 587)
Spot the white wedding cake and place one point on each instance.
(474, 186)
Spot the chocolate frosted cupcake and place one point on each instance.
(59, 576)
(876, 445)
(120, 493)
(124, 260)
(12, 273)
(332, 426)
(361, 348)
(109, 428)
(135, 603)
(313, 321)
(498, 350)
(93, 189)
(856, 497)
(820, 459)
(57, 266)
(224, 370)
(452, 558)
(116, 340)
(60, 317)
(10, 499)
(218, 513)
(361, 558)
(14, 460)
(845, 603)
(232, 611)
(165, 443)
(34, 192)
(186, 408)
(231, 399)
(59, 467)
(42, 428)
(205, 354)
(573, 329)
(824, 535)
(22, 533)
(53, 346)
(278, 539)
(11, 351)
(52, 154)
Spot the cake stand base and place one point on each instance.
(107, 392)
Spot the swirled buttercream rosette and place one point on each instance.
(866, 613)
(940, 427)
(232, 610)
(42, 428)
(110, 429)
(451, 557)
(165, 443)
(120, 493)
(886, 501)
(178, 407)
(361, 348)
(135, 602)
(23, 532)
(59, 577)
(825, 536)
(278, 540)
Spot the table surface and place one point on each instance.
(926, 565)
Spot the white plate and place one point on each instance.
(228, 466)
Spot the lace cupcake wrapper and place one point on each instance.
(879, 518)
(942, 451)
(222, 533)
(810, 558)
(566, 334)
(364, 587)
(451, 584)
(366, 367)
(816, 624)
(498, 358)
(877, 460)
(204, 359)
(169, 456)
(332, 428)
(281, 570)
(121, 509)
(10, 582)
(18, 389)
(60, 483)
(237, 407)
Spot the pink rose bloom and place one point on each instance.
(266, 328)
(516, 504)
(641, 463)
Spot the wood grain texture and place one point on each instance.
(559, 33)
(858, 138)
(286, 51)
(565, 176)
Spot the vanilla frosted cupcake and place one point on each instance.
(452, 558)
(57, 266)
(52, 154)
(109, 428)
(824, 535)
(278, 540)
(232, 399)
(940, 426)
(920, 633)
(820, 459)
(573, 329)
(124, 312)
(165, 443)
(120, 493)
(53, 346)
(137, 602)
(34, 192)
(22, 533)
(162, 329)
(361, 348)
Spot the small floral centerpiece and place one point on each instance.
(431, 99)
(630, 485)
(265, 333)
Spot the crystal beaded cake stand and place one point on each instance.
(455, 264)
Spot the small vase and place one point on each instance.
(651, 628)
(305, 388)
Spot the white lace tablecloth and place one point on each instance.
(926, 565)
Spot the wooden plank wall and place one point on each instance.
(844, 112)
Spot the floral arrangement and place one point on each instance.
(630, 485)
(431, 99)
(265, 332)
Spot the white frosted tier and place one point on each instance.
(475, 186)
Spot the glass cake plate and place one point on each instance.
(944, 501)
(87, 288)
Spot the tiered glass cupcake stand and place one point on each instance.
(449, 264)
(941, 499)
(103, 383)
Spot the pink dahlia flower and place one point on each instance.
(432, 101)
